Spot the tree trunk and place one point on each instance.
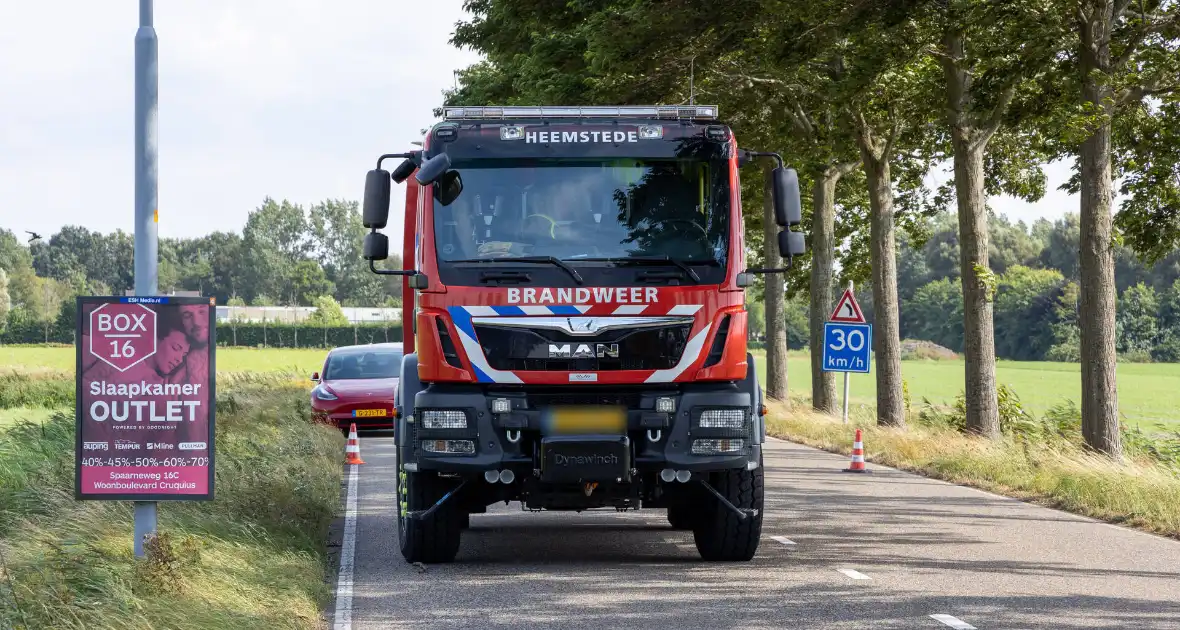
(775, 297)
(823, 229)
(979, 342)
(886, 329)
(1100, 420)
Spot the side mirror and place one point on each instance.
(315, 377)
(433, 168)
(791, 244)
(375, 213)
(404, 170)
(448, 187)
(376, 246)
(788, 207)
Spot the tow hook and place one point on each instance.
(589, 488)
(742, 513)
(422, 514)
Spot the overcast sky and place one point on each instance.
(292, 99)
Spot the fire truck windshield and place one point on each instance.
(575, 209)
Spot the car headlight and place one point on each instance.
(444, 419)
(722, 419)
(322, 393)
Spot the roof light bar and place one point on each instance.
(675, 112)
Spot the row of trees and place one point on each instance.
(285, 255)
(865, 97)
(1035, 314)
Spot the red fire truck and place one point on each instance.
(575, 320)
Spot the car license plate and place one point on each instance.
(368, 413)
(599, 419)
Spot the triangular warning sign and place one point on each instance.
(847, 310)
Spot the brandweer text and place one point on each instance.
(620, 295)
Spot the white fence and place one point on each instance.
(296, 314)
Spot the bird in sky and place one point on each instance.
(33, 236)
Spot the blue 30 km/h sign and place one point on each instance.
(847, 347)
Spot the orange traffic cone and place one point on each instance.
(858, 456)
(352, 452)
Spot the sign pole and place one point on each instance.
(847, 375)
(146, 257)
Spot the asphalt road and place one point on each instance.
(882, 550)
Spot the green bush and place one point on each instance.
(303, 336)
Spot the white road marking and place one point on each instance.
(347, 552)
(784, 540)
(856, 575)
(953, 622)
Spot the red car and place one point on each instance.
(359, 384)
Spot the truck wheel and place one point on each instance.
(719, 534)
(680, 516)
(434, 539)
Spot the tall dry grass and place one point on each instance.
(252, 558)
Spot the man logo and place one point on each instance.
(584, 351)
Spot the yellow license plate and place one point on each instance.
(594, 419)
(369, 413)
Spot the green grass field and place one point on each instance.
(9, 417)
(1149, 393)
(228, 359)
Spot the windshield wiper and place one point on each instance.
(553, 260)
(654, 260)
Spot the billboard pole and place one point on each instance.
(146, 257)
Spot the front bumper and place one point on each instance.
(514, 440)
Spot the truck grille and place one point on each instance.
(655, 348)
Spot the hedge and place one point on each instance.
(228, 334)
(304, 336)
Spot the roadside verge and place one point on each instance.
(1053, 473)
(252, 558)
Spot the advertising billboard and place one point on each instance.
(145, 398)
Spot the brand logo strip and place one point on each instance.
(573, 310)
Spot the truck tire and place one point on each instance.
(719, 534)
(434, 539)
(680, 516)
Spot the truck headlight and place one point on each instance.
(665, 404)
(722, 419)
(717, 447)
(449, 447)
(444, 419)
